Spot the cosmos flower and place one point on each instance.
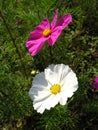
(55, 85)
(95, 82)
(46, 32)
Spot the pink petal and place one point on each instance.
(44, 24)
(54, 36)
(64, 21)
(53, 23)
(95, 82)
(34, 35)
(96, 79)
(36, 40)
(37, 33)
(34, 46)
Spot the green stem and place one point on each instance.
(13, 40)
(51, 54)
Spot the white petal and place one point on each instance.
(60, 70)
(50, 76)
(41, 105)
(54, 101)
(39, 81)
(50, 102)
(36, 94)
(37, 107)
(70, 82)
(42, 96)
(63, 99)
(55, 73)
(39, 102)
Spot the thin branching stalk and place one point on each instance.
(13, 40)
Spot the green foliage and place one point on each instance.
(77, 46)
(58, 118)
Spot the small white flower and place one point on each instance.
(55, 85)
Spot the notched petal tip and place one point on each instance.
(69, 17)
(64, 21)
(57, 10)
(53, 23)
(44, 24)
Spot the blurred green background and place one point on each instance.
(77, 47)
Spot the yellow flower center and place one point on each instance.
(46, 32)
(56, 88)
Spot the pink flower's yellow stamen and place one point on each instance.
(46, 32)
(56, 88)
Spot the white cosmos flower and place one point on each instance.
(55, 85)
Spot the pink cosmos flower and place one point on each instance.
(95, 82)
(47, 32)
